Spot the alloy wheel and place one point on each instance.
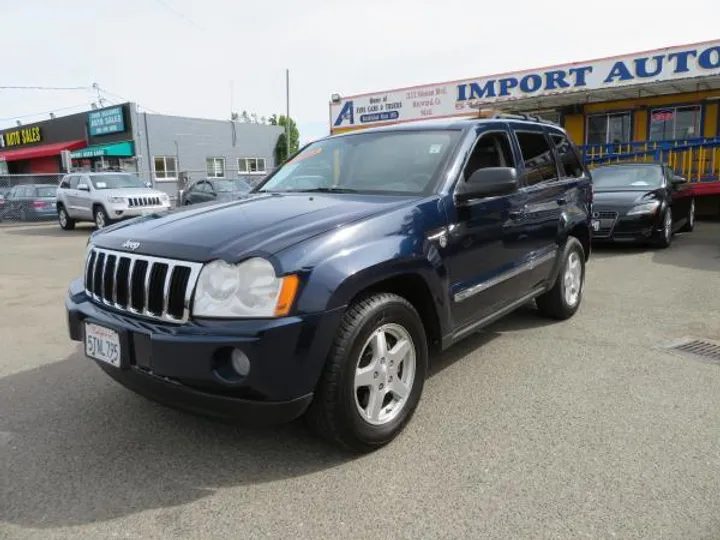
(572, 279)
(384, 374)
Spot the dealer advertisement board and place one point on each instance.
(462, 97)
(106, 121)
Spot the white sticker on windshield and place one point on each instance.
(101, 185)
(435, 148)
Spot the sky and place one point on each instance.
(182, 57)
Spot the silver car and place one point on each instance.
(106, 197)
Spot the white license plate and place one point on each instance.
(595, 225)
(102, 344)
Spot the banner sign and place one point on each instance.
(106, 121)
(459, 98)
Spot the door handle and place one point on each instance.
(517, 215)
(562, 200)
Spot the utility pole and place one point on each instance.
(287, 114)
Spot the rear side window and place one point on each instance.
(46, 192)
(74, 181)
(65, 184)
(537, 156)
(570, 165)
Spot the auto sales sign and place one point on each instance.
(459, 98)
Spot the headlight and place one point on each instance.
(248, 289)
(117, 200)
(645, 208)
(164, 198)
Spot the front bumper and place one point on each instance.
(187, 366)
(624, 228)
(121, 211)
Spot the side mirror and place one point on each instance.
(488, 182)
(148, 184)
(678, 180)
(83, 187)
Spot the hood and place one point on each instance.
(131, 192)
(261, 224)
(624, 198)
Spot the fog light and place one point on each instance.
(240, 362)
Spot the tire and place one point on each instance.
(100, 218)
(664, 238)
(23, 215)
(690, 223)
(560, 302)
(66, 222)
(342, 411)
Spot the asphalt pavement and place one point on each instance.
(530, 430)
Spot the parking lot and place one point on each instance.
(531, 429)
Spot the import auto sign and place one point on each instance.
(461, 97)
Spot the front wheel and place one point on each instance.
(374, 375)
(563, 300)
(665, 236)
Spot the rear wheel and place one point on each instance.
(563, 300)
(66, 222)
(374, 376)
(690, 223)
(101, 219)
(23, 215)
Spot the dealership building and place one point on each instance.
(160, 148)
(659, 105)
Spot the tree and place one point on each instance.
(245, 117)
(281, 152)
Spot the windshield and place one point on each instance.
(384, 163)
(627, 177)
(116, 181)
(46, 192)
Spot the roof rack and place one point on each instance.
(514, 116)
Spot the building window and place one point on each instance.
(609, 128)
(216, 167)
(165, 168)
(251, 165)
(671, 123)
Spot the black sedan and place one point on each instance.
(640, 202)
(215, 189)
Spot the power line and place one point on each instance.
(104, 91)
(42, 113)
(45, 88)
(180, 14)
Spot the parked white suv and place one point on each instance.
(105, 197)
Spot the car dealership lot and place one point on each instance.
(587, 428)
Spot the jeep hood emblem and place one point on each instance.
(132, 246)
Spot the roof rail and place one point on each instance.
(516, 116)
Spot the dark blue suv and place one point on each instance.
(325, 290)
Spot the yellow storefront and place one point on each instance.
(660, 105)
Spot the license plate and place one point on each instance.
(596, 224)
(102, 344)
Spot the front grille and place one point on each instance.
(149, 286)
(143, 201)
(607, 223)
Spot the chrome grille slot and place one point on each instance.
(143, 201)
(152, 287)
